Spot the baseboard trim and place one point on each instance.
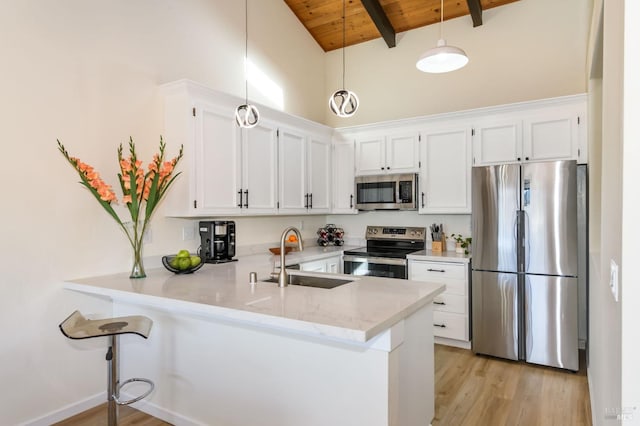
(68, 411)
(452, 342)
(162, 413)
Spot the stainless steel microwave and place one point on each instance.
(387, 192)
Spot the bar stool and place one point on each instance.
(77, 326)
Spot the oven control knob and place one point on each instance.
(375, 231)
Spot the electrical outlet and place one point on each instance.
(188, 233)
(613, 279)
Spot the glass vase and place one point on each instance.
(137, 271)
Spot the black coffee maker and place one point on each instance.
(217, 241)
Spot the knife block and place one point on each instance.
(439, 246)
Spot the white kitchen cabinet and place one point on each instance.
(387, 153)
(332, 264)
(451, 308)
(305, 178)
(343, 177)
(259, 169)
(445, 174)
(319, 164)
(556, 132)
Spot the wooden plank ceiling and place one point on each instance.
(323, 18)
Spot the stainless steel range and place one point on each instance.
(386, 252)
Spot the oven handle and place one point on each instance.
(377, 260)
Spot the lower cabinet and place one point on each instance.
(451, 308)
(331, 264)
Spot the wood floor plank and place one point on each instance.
(478, 390)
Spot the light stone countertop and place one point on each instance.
(354, 312)
(445, 256)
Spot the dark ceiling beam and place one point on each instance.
(381, 21)
(475, 9)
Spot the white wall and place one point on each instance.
(613, 369)
(88, 73)
(531, 49)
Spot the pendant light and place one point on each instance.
(442, 58)
(247, 115)
(343, 102)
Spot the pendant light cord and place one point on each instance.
(246, 49)
(344, 31)
(441, 16)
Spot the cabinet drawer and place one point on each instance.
(451, 325)
(455, 303)
(435, 271)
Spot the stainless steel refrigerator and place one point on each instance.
(525, 263)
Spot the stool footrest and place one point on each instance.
(138, 398)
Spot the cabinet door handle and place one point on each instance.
(518, 158)
(306, 201)
(240, 194)
(440, 325)
(381, 168)
(436, 270)
(439, 303)
(351, 201)
(246, 198)
(526, 158)
(388, 167)
(311, 200)
(423, 199)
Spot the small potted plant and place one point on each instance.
(462, 244)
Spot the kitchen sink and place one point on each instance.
(319, 282)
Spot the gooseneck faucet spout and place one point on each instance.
(283, 278)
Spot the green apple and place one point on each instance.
(174, 263)
(183, 253)
(195, 261)
(184, 263)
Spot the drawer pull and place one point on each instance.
(440, 325)
(436, 270)
(439, 303)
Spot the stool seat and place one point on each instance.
(76, 326)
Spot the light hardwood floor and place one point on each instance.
(477, 390)
(470, 391)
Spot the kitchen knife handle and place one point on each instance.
(440, 325)
(246, 198)
(240, 194)
(436, 270)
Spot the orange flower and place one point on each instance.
(127, 199)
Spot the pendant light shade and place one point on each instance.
(247, 115)
(442, 58)
(343, 102)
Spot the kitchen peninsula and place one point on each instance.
(223, 351)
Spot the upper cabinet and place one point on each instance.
(305, 178)
(554, 132)
(344, 177)
(380, 152)
(280, 166)
(445, 173)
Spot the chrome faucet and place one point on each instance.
(283, 278)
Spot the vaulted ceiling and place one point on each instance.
(370, 19)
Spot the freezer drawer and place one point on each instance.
(551, 321)
(494, 312)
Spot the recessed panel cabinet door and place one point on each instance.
(445, 176)
(319, 173)
(497, 142)
(259, 168)
(293, 194)
(402, 153)
(370, 155)
(218, 181)
(343, 177)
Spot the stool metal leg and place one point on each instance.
(113, 389)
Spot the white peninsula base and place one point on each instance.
(215, 372)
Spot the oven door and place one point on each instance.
(375, 266)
